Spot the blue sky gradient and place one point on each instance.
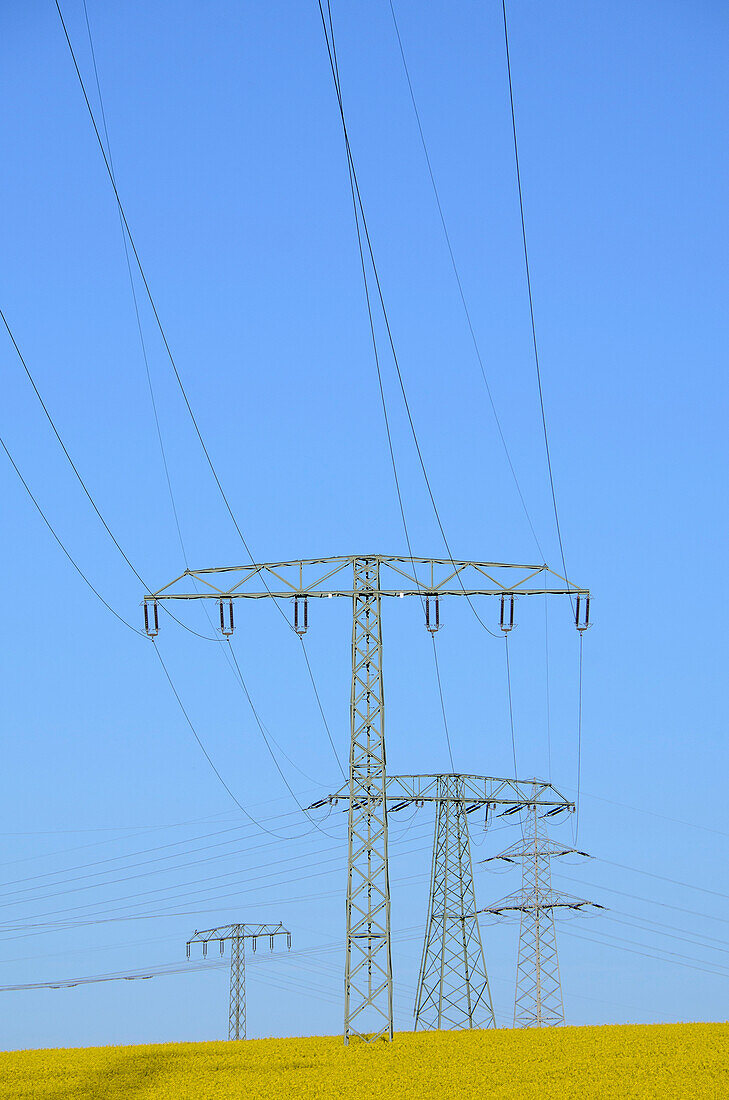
(230, 163)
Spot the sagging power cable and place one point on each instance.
(331, 50)
(459, 282)
(531, 298)
(359, 212)
(78, 475)
(63, 547)
(127, 236)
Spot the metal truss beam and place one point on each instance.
(473, 790)
(398, 576)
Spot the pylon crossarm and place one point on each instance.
(522, 850)
(227, 931)
(530, 906)
(477, 790)
(399, 576)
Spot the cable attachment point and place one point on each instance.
(432, 613)
(226, 618)
(301, 615)
(151, 619)
(506, 615)
(582, 612)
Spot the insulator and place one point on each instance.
(222, 947)
(254, 945)
(205, 949)
(151, 619)
(226, 620)
(187, 950)
(582, 612)
(511, 810)
(432, 613)
(506, 615)
(288, 940)
(270, 942)
(301, 614)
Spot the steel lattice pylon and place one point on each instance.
(538, 1000)
(237, 1008)
(368, 966)
(453, 987)
(237, 934)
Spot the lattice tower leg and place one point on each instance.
(453, 987)
(368, 1009)
(237, 1011)
(538, 1001)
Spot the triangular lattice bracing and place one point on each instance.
(368, 964)
(237, 1010)
(453, 987)
(538, 1001)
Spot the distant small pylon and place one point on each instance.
(538, 1001)
(237, 934)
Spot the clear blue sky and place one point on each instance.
(230, 163)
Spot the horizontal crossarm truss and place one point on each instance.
(238, 931)
(473, 790)
(397, 576)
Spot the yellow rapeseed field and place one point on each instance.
(665, 1062)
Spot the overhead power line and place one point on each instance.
(529, 290)
(80, 478)
(134, 295)
(459, 281)
(127, 236)
(331, 50)
(62, 545)
(359, 213)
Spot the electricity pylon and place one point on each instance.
(538, 1000)
(237, 934)
(453, 988)
(368, 1003)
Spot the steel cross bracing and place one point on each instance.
(453, 989)
(365, 580)
(237, 934)
(538, 1000)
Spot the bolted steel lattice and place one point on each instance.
(453, 987)
(236, 935)
(538, 1000)
(364, 580)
